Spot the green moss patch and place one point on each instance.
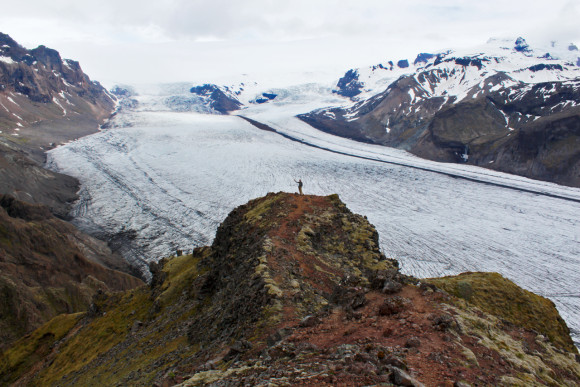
(260, 207)
(500, 297)
(34, 347)
(181, 271)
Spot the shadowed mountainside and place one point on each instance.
(48, 267)
(25, 180)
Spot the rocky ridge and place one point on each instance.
(294, 290)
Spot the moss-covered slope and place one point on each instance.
(45, 269)
(500, 297)
(293, 290)
(274, 261)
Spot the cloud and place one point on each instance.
(359, 30)
(271, 20)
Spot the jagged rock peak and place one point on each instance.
(6, 40)
(349, 85)
(521, 45)
(403, 63)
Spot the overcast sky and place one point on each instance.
(189, 40)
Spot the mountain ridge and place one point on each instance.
(48, 267)
(46, 100)
(294, 289)
(472, 110)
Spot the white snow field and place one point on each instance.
(167, 181)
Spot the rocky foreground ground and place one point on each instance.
(295, 291)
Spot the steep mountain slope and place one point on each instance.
(45, 100)
(47, 267)
(509, 110)
(295, 290)
(25, 180)
(218, 99)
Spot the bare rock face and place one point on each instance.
(218, 98)
(291, 291)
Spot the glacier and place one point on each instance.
(163, 180)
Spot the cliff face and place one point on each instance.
(47, 267)
(294, 289)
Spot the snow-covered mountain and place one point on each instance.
(510, 108)
(38, 85)
(514, 57)
(503, 105)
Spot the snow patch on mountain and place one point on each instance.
(460, 70)
(6, 59)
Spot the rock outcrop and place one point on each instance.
(294, 290)
(349, 85)
(220, 99)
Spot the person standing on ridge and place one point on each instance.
(299, 185)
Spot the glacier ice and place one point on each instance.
(165, 180)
